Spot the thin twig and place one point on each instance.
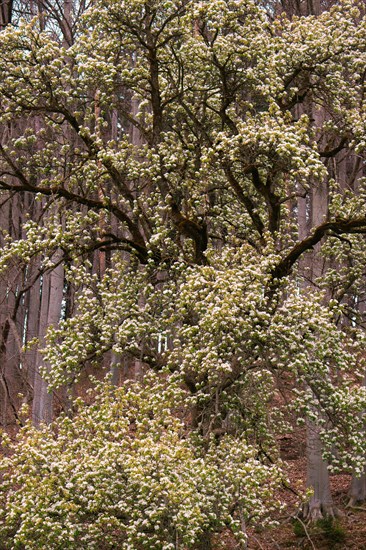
(351, 507)
(257, 541)
(306, 531)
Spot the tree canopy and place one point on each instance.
(194, 179)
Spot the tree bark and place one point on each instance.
(51, 303)
(321, 503)
(6, 11)
(317, 476)
(357, 490)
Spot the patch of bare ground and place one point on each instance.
(349, 531)
(351, 526)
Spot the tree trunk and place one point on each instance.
(6, 11)
(11, 319)
(66, 26)
(357, 490)
(115, 368)
(51, 302)
(321, 503)
(33, 312)
(317, 477)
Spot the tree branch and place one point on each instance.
(284, 267)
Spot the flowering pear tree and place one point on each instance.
(215, 156)
(126, 472)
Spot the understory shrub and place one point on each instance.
(127, 472)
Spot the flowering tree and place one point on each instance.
(214, 157)
(125, 471)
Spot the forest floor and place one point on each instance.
(347, 533)
(350, 527)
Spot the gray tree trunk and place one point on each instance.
(317, 476)
(51, 303)
(321, 503)
(67, 23)
(357, 490)
(33, 313)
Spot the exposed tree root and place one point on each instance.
(313, 511)
(352, 504)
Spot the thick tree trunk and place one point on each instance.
(6, 11)
(51, 302)
(66, 26)
(321, 503)
(11, 319)
(357, 490)
(33, 313)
